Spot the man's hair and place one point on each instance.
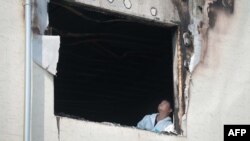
(170, 104)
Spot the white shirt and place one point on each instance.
(148, 123)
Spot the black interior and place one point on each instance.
(111, 67)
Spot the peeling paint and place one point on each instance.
(111, 1)
(202, 23)
(46, 52)
(197, 44)
(183, 10)
(180, 82)
(127, 4)
(153, 11)
(197, 17)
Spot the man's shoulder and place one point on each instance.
(150, 115)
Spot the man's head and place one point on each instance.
(165, 107)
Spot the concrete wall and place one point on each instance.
(162, 11)
(218, 92)
(44, 124)
(220, 85)
(11, 70)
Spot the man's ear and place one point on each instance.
(171, 110)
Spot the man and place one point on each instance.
(158, 122)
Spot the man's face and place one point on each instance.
(164, 106)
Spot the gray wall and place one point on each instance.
(218, 92)
(11, 70)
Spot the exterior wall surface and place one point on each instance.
(219, 90)
(163, 10)
(11, 70)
